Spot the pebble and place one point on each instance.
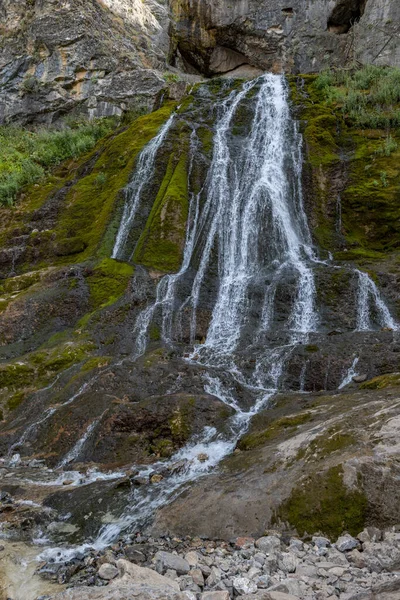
(108, 571)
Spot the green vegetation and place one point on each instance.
(89, 204)
(324, 445)
(171, 77)
(369, 97)
(259, 438)
(322, 503)
(41, 365)
(161, 244)
(351, 127)
(381, 382)
(108, 282)
(26, 156)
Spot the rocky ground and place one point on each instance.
(273, 567)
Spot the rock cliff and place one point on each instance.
(105, 57)
(97, 58)
(216, 36)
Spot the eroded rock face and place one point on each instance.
(97, 58)
(299, 36)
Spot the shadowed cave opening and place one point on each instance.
(345, 14)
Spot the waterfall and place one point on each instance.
(247, 228)
(133, 192)
(368, 297)
(244, 196)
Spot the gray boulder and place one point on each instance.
(166, 560)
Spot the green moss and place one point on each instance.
(38, 367)
(359, 164)
(162, 448)
(15, 400)
(324, 445)
(259, 438)
(70, 354)
(161, 244)
(381, 382)
(20, 283)
(88, 209)
(15, 375)
(322, 503)
(180, 424)
(108, 281)
(154, 333)
(97, 362)
(311, 348)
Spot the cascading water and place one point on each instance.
(245, 196)
(249, 219)
(133, 193)
(350, 374)
(368, 299)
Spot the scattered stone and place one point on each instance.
(68, 482)
(214, 577)
(134, 555)
(202, 457)
(130, 573)
(156, 478)
(243, 542)
(287, 563)
(192, 558)
(321, 542)
(243, 585)
(221, 595)
(360, 378)
(197, 577)
(268, 544)
(167, 560)
(346, 542)
(108, 572)
(370, 534)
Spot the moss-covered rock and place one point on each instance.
(108, 281)
(322, 503)
(276, 428)
(161, 244)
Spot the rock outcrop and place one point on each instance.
(93, 58)
(216, 36)
(100, 58)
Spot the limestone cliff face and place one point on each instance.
(217, 36)
(96, 56)
(101, 57)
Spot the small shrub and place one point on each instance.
(384, 179)
(171, 77)
(30, 85)
(369, 97)
(100, 180)
(390, 145)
